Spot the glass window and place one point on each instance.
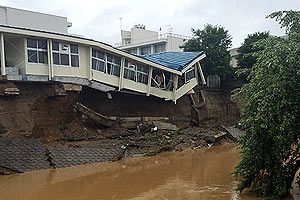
(98, 65)
(109, 57)
(74, 61)
(55, 46)
(56, 58)
(64, 59)
(43, 57)
(42, 44)
(146, 50)
(74, 48)
(116, 70)
(190, 74)
(159, 48)
(138, 73)
(37, 51)
(65, 54)
(105, 62)
(31, 43)
(133, 51)
(32, 56)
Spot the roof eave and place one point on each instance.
(191, 64)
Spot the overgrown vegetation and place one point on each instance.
(271, 117)
(248, 53)
(215, 42)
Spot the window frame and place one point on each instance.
(69, 53)
(137, 72)
(106, 62)
(188, 71)
(160, 46)
(145, 47)
(37, 50)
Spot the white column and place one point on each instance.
(196, 73)
(90, 64)
(201, 74)
(3, 72)
(121, 73)
(152, 49)
(149, 80)
(49, 60)
(175, 85)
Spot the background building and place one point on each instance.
(141, 41)
(33, 20)
(234, 54)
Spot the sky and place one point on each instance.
(100, 19)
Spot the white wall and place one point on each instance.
(174, 43)
(33, 20)
(139, 35)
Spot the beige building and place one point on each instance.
(33, 20)
(28, 54)
(142, 42)
(234, 54)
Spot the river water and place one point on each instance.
(198, 174)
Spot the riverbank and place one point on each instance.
(21, 154)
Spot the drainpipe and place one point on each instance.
(3, 72)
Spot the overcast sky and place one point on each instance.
(99, 19)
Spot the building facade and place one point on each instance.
(234, 54)
(142, 42)
(33, 20)
(33, 55)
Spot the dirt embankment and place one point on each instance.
(42, 111)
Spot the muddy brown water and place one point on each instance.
(198, 174)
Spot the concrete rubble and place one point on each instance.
(58, 125)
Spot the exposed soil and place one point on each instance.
(39, 112)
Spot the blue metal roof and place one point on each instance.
(173, 60)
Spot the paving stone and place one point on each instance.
(70, 156)
(23, 154)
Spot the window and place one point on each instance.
(98, 60)
(145, 50)
(142, 74)
(113, 65)
(105, 62)
(159, 48)
(37, 51)
(135, 72)
(132, 51)
(189, 74)
(65, 54)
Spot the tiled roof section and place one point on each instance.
(173, 60)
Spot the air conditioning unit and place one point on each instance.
(65, 48)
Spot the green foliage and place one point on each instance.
(215, 42)
(270, 147)
(247, 57)
(289, 20)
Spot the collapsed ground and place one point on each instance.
(55, 125)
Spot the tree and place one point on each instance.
(271, 118)
(248, 53)
(215, 42)
(247, 57)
